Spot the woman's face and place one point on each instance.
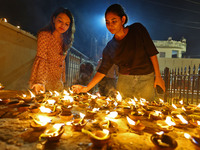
(114, 23)
(62, 23)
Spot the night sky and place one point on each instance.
(162, 18)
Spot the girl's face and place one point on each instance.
(114, 23)
(62, 23)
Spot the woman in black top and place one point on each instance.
(133, 50)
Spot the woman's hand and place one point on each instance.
(79, 89)
(160, 82)
(38, 87)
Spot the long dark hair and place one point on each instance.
(118, 10)
(68, 36)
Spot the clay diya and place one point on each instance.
(4, 101)
(180, 122)
(194, 123)
(156, 115)
(79, 123)
(137, 126)
(52, 134)
(91, 113)
(164, 126)
(163, 141)
(66, 115)
(109, 125)
(127, 110)
(40, 122)
(1, 87)
(195, 140)
(23, 107)
(137, 115)
(98, 138)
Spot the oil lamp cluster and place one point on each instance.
(53, 112)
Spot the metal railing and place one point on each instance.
(182, 84)
(73, 60)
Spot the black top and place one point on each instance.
(132, 53)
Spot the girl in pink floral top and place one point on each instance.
(48, 72)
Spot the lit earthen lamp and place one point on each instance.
(4, 101)
(109, 125)
(52, 133)
(194, 123)
(137, 126)
(66, 115)
(27, 98)
(181, 122)
(166, 125)
(163, 141)
(46, 111)
(195, 140)
(91, 113)
(136, 115)
(1, 86)
(98, 138)
(156, 115)
(79, 123)
(40, 122)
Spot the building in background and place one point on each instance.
(171, 48)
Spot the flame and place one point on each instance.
(160, 133)
(82, 115)
(198, 122)
(182, 119)
(187, 136)
(1, 100)
(169, 121)
(56, 93)
(70, 91)
(157, 113)
(106, 132)
(183, 108)
(55, 130)
(51, 101)
(65, 92)
(5, 20)
(45, 110)
(130, 121)
(50, 93)
(115, 103)
(161, 101)
(32, 95)
(119, 97)
(198, 105)
(95, 109)
(135, 99)
(24, 95)
(113, 114)
(181, 102)
(98, 94)
(92, 96)
(43, 120)
(69, 98)
(174, 106)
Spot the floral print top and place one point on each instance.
(49, 64)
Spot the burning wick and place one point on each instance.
(193, 139)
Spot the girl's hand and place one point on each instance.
(38, 87)
(160, 82)
(79, 89)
